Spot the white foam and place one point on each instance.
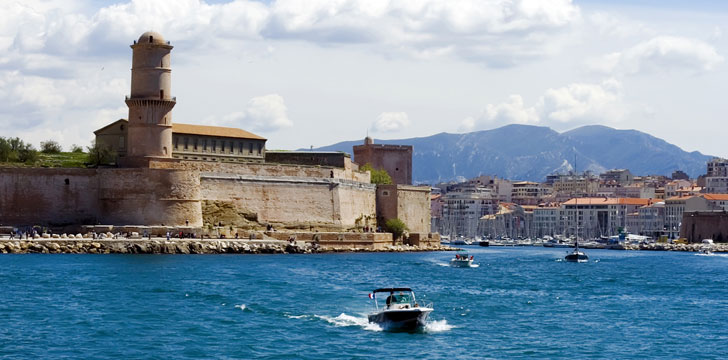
(438, 326)
(345, 320)
(296, 316)
(241, 307)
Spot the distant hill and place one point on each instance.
(525, 152)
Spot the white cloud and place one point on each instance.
(511, 111)
(661, 53)
(391, 122)
(564, 107)
(266, 113)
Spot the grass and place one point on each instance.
(59, 160)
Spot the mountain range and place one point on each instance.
(526, 152)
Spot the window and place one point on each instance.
(121, 142)
(161, 94)
(222, 146)
(204, 145)
(250, 147)
(240, 147)
(214, 146)
(259, 148)
(230, 146)
(186, 143)
(196, 140)
(176, 142)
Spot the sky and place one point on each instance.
(313, 73)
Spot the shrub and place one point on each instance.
(100, 154)
(76, 148)
(379, 177)
(50, 147)
(396, 227)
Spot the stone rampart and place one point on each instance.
(292, 200)
(64, 197)
(271, 170)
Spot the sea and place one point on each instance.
(519, 303)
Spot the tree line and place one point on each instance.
(15, 150)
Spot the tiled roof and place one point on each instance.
(608, 201)
(213, 131)
(715, 197)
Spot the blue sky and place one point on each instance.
(318, 72)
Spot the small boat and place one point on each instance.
(402, 311)
(576, 255)
(707, 247)
(484, 243)
(462, 260)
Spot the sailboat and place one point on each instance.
(576, 255)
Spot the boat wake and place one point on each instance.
(438, 326)
(242, 307)
(345, 320)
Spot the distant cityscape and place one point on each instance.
(591, 205)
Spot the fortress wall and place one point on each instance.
(291, 200)
(264, 169)
(357, 202)
(413, 207)
(149, 197)
(39, 196)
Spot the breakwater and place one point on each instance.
(188, 246)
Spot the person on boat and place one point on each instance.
(391, 299)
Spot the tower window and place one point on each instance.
(161, 94)
(151, 38)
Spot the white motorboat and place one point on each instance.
(707, 247)
(462, 260)
(402, 312)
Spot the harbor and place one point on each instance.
(520, 302)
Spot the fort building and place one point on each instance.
(193, 142)
(193, 175)
(395, 159)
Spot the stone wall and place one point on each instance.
(271, 170)
(34, 196)
(411, 204)
(699, 225)
(293, 200)
(62, 197)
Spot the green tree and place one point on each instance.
(27, 154)
(50, 147)
(396, 226)
(379, 176)
(100, 154)
(76, 148)
(5, 149)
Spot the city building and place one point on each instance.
(594, 217)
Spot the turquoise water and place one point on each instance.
(520, 302)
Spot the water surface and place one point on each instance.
(520, 302)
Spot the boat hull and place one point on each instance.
(461, 263)
(402, 319)
(576, 257)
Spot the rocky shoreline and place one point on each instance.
(187, 246)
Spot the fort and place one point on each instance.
(207, 179)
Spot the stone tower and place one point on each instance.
(150, 103)
(396, 159)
